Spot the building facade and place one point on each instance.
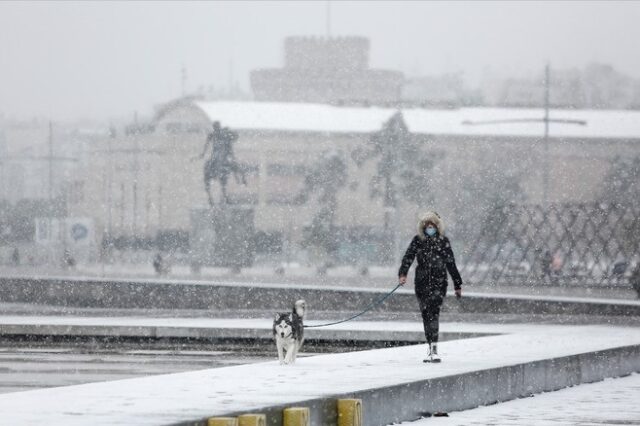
(151, 181)
(327, 70)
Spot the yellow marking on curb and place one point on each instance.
(295, 416)
(222, 421)
(349, 412)
(252, 420)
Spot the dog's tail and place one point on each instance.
(300, 303)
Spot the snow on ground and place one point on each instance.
(25, 368)
(185, 396)
(406, 290)
(262, 324)
(610, 402)
(379, 278)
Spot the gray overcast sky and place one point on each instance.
(105, 60)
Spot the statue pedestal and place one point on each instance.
(222, 236)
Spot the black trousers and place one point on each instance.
(430, 309)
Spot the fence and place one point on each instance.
(565, 244)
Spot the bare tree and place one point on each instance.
(621, 185)
(403, 168)
(324, 180)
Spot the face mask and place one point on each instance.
(430, 231)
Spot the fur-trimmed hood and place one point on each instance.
(430, 216)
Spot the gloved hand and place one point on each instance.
(458, 293)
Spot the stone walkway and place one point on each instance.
(536, 357)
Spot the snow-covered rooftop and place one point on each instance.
(296, 117)
(598, 123)
(609, 124)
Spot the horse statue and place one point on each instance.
(221, 162)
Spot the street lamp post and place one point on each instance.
(545, 168)
(546, 120)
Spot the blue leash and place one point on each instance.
(367, 309)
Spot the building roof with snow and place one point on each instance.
(601, 124)
(296, 116)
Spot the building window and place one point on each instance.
(285, 199)
(242, 199)
(75, 192)
(283, 169)
(180, 127)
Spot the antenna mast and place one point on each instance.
(183, 73)
(328, 19)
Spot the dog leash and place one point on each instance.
(367, 309)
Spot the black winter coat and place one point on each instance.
(435, 258)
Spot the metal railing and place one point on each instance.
(565, 244)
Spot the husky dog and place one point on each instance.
(288, 332)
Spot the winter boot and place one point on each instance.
(433, 353)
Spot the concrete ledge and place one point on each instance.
(466, 391)
(211, 329)
(393, 383)
(406, 402)
(158, 294)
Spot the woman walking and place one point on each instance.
(435, 257)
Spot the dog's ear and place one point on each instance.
(276, 316)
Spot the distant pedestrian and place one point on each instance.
(68, 261)
(545, 264)
(158, 264)
(634, 279)
(15, 257)
(435, 257)
(556, 264)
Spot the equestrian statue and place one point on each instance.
(221, 163)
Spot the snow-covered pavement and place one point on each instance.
(210, 329)
(24, 367)
(610, 402)
(510, 362)
(207, 296)
(378, 277)
(233, 323)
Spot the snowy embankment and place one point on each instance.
(170, 294)
(212, 329)
(394, 383)
(611, 402)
